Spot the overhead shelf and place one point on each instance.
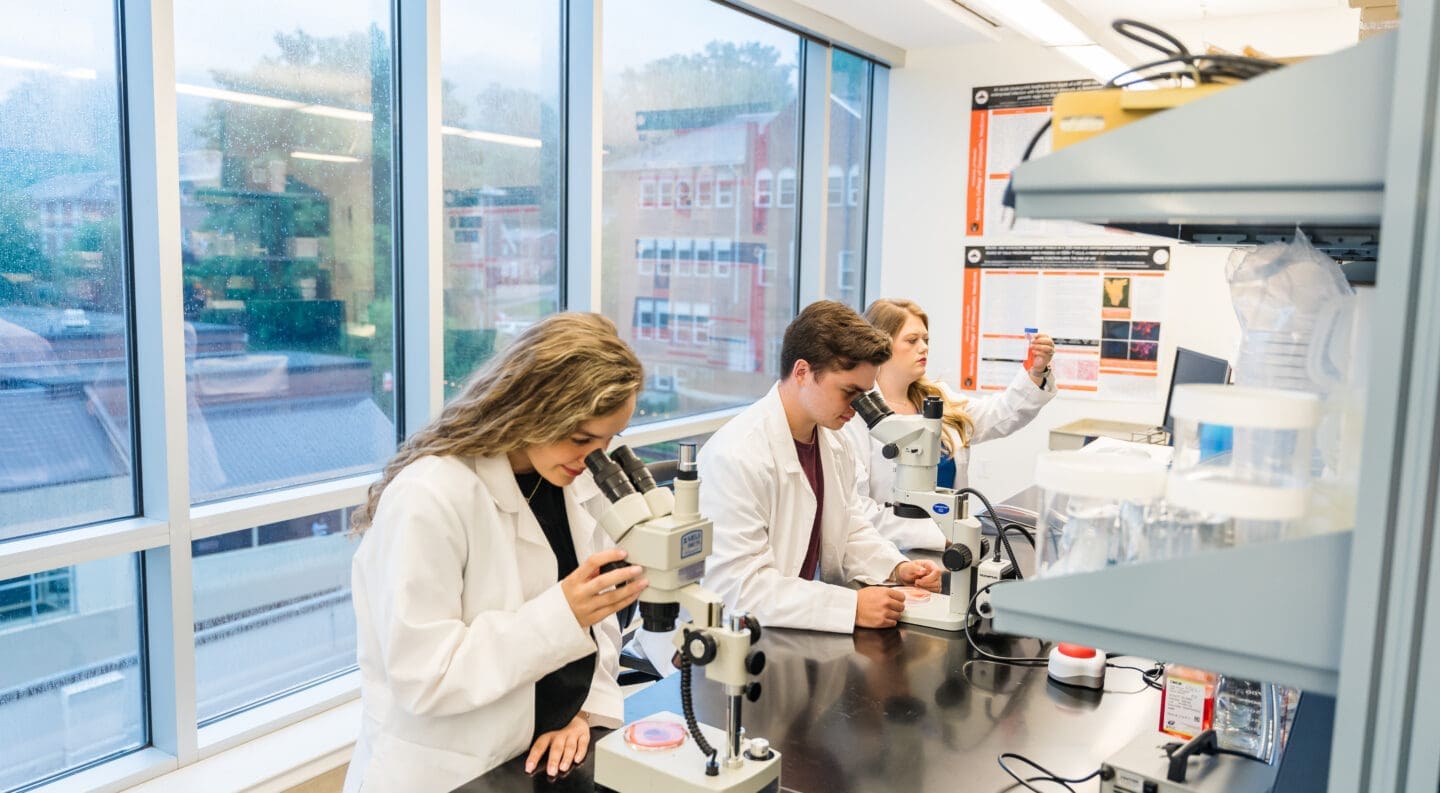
(1301, 146)
(1270, 612)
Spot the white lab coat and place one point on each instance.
(753, 488)
(458, 615)
(995, 416)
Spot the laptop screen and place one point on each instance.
(1194, 367)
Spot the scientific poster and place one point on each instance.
(1003, 119)
(1103, 305)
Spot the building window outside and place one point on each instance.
(683, 197)
(647, 194)
(704, 190)
(667, 194)
(725, 189)
(37, 596)
(763, 187)
(835, 186)
(785, 188)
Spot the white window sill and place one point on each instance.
(274, 762)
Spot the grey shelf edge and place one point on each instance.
(1264, 612)
(1260, 155)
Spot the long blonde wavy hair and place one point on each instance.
(558, 374)
(889, 315)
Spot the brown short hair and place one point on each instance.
(830, 336)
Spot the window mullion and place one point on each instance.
(152, 151)
(421, 269)
(582, 101)
(815, 156)
(875, 182)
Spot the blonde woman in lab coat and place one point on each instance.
(485, 626)
(903, 383)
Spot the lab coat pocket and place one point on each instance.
(401, 766)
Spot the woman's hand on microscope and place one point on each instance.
(878, 607)
(924, 574)
(594, 595)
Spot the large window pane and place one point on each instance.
(286, 211)
(845, 181)
(70, 683)
(272, 611)
(65, 413)
(700, 176)
(500, 63)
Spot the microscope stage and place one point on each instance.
(625, 768)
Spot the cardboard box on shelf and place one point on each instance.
(1371, 3)
(1379, 14)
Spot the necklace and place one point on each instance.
(535, 489)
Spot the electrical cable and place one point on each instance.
(1150, 676)
(1050, 776)
(1001, 659)
(687, 707)
(1203, 69)
(999, 534)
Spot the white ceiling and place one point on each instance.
(918, 24)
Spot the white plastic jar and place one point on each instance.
(1094, 509)
(1244, 455)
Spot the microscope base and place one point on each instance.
(621, 767)
(934, 613)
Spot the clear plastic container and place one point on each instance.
(1243, 456)
(1094, 509)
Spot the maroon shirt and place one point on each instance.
(809, 454)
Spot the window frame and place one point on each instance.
(161, 534)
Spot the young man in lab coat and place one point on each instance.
(779, 484)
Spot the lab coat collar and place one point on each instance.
(777, 431)
(499, 479)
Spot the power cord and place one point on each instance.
(1049, 776)
(1151, 676)
(999, 659)
(1000, 534)
(1201, 69)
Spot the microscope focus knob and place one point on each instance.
(752, 691)
(890, 450)
(754, 626)
(957, 557)
(701, 647)
(984, 547)
(755, 664)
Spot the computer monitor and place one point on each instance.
(1193, 367)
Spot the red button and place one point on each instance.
(1076, 650)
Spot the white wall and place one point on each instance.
(924, 237)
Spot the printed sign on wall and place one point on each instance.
(1103, 305)
(1003, 121)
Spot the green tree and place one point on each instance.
(724, 73)
(21, 256)
(93, 255)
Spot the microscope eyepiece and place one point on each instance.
(871, 407)
(610, 477)
(687, 469)
(933, 408)
(634, 468)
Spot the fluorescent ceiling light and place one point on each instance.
(310, 155)
(236, 96)
(39, 66)
(1099, 61)
(494, 137)
(1037, 20)
(338, 112)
